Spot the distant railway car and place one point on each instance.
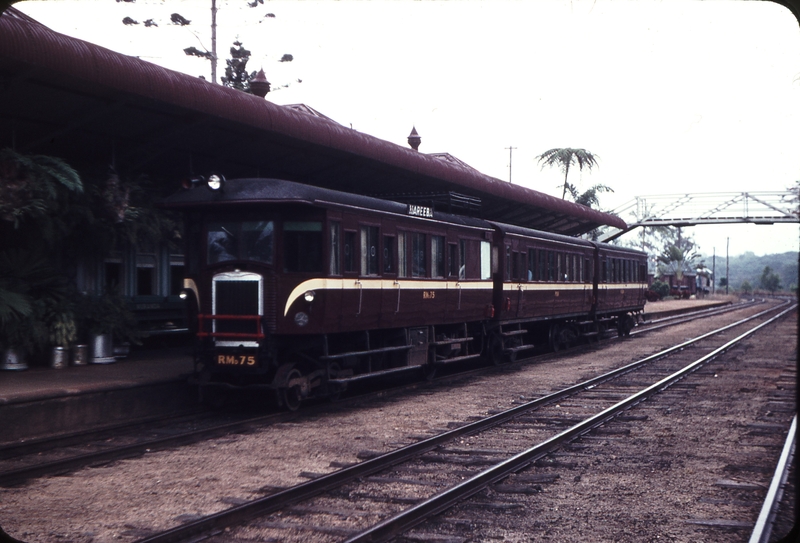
(302, 290)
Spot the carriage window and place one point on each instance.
(452, 260)
(335, 267)
(302, 246)
(437, 256)
(508, 262)
(531, 264)
(369, 250)
(419, 264)
(542, 266)
(251, 240)
(462, 263)
(486, 260)
(349, 251)
(402, 260)
(516, 265)
(587, 265)
(388, 254)
(551, 266)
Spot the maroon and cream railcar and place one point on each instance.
(558, 289)
(302, 290)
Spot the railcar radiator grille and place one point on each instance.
(236, 298)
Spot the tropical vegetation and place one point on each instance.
(47, 214)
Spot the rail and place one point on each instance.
(763, 527)
(216, 523)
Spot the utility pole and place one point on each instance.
(714, 273)
(213, 41)
(510, 150)
(727, 262)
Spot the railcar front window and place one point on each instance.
(221, 242)
(257, 241)
(302, 246)
(248, 240)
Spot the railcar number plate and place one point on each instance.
(235, 360)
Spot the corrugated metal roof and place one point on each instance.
(92, 106)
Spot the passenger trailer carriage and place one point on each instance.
(302, 290)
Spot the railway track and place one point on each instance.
(386, 495)
(23, 461)
(35, 458)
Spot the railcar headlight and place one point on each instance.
(183, 295)
(309, 296)
(215, 181)
(301, 319)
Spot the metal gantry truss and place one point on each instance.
(767, 207)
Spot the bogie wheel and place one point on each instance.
(497, 350)
(625, 325)
(292, 395)
(554, 338)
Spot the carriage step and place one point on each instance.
(365, 376)
(451, 341)
(364, 353)
(512, 333)
(444, 361)
(518, 349)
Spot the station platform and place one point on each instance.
(43, 401)
(140, 368)
(149, 382)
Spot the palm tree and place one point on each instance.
(566, 157)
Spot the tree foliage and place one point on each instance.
(678, 253)
(236, 75)
(49, 218)
(565, 158)
(589, 197)
(770, 280)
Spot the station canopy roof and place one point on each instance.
(92, 107)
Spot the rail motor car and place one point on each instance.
(302, 290)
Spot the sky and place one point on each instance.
(672, 96)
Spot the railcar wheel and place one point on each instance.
(497, 350)
(625, 325)
(292, 395)
(554, 338)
